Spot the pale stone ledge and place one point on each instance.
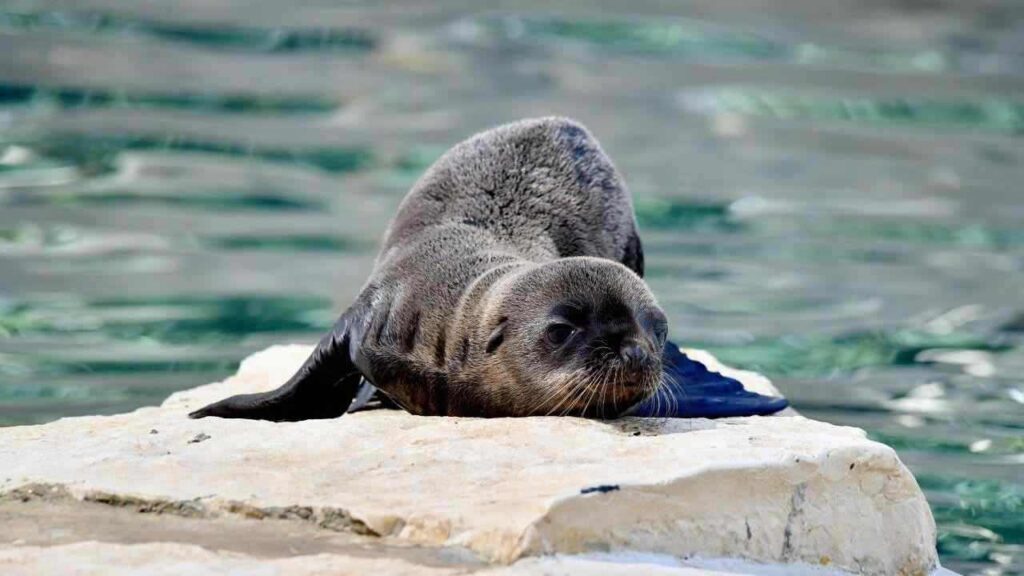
(771, 490)
(170, 559)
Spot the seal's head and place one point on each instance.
(576, 336)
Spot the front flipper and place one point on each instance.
(690, 390)
(322, 388)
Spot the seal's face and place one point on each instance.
(578, 336)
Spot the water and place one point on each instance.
(829, 193)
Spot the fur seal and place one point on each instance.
(508, 284)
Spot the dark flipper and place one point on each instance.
(322, 388)
(690, 390)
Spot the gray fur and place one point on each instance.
(500, 229)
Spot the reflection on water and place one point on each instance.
(220, 35)
(990, 114)
(831, 197)
(706, 40)
(77, 98)
(94, 153)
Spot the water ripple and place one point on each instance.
(701, 40)
(97, 153)
(71, 98)
(992, 114)
(978, 519)
(219, 36)
(173, 320)
(292, 242)
(825, 355)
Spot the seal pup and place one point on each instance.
(508, 284)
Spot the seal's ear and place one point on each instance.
(322, 388)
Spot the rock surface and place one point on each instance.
(105, 559)
(772, 490)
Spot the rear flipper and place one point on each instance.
(690, 390)
(322, 388)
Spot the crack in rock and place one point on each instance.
(795, 510)
(333, 519)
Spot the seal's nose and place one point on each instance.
(632, 353)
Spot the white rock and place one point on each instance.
(773, 490)
(172, 559)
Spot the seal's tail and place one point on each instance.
(692, 391)
(322, 388)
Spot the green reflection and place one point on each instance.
(927, 233)
(222, 36)
(683, 215)
(975, 515)
(986, 114)
(810, 356)
(174, 320)
(418, 159)
(14, 94)
(304, 243)
(262, 39)
(911, 442)
(97, 153)
(74, 98)
(705, 40)
(55, 367)
(938, 444)
(214, 200)
(683, 38)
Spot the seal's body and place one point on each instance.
(508, 284)
(495, 222)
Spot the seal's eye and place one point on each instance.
(558, 334)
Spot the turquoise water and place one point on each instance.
(829, 193)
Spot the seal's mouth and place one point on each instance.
(611, 390)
